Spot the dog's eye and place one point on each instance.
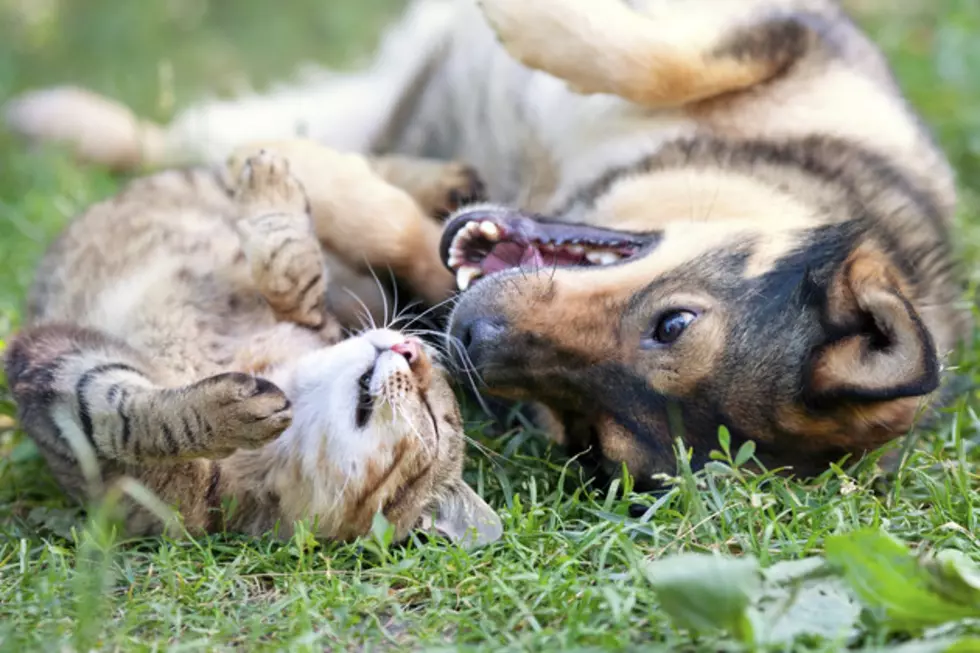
(670, 326)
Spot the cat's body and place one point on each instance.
(177, 333)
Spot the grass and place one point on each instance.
(565, 574)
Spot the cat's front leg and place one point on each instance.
(80, 389)
(282, 248)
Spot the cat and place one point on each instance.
(177, 333)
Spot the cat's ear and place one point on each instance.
(463, 517)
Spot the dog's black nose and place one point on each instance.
(479, 334)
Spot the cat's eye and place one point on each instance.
(669, 326)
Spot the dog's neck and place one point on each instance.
(653, 200)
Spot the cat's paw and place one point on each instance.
(266, 184)
(243, 411)
(331, 331)
(294, 282)
(287, 266)
(458, 186)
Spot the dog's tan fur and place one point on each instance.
(799, 209)
(177, 333)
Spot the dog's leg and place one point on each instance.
(439, 187)
(666, 54)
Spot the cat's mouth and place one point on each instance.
(482, 241)
(365, 400)
(395, 369)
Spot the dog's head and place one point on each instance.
(795, 331)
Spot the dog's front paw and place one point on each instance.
(460, 185)
(524, 27)
(591, 46)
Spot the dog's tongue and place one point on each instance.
(511, 255)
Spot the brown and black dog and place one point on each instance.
(705, 213)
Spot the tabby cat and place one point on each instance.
(178, 334)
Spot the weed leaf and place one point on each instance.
(887, 577)
(707, 593)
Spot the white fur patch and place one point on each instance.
(323, 388)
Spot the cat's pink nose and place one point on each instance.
(411, 349)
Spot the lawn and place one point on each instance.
(570, 571)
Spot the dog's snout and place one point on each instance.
(480, 333)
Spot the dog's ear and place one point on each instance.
(881, 350)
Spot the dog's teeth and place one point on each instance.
(548, 248)
(459, 240)
(466, 275)
(602, 258)
(490, 230)
(577, 250)
(455, 259)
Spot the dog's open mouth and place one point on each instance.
(479, 243)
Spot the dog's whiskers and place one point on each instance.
(402, 314)
(448, 300)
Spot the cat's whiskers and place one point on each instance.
(366, 319)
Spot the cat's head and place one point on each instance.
(376, 426)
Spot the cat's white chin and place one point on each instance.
(332, 426)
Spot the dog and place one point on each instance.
(700, 214)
